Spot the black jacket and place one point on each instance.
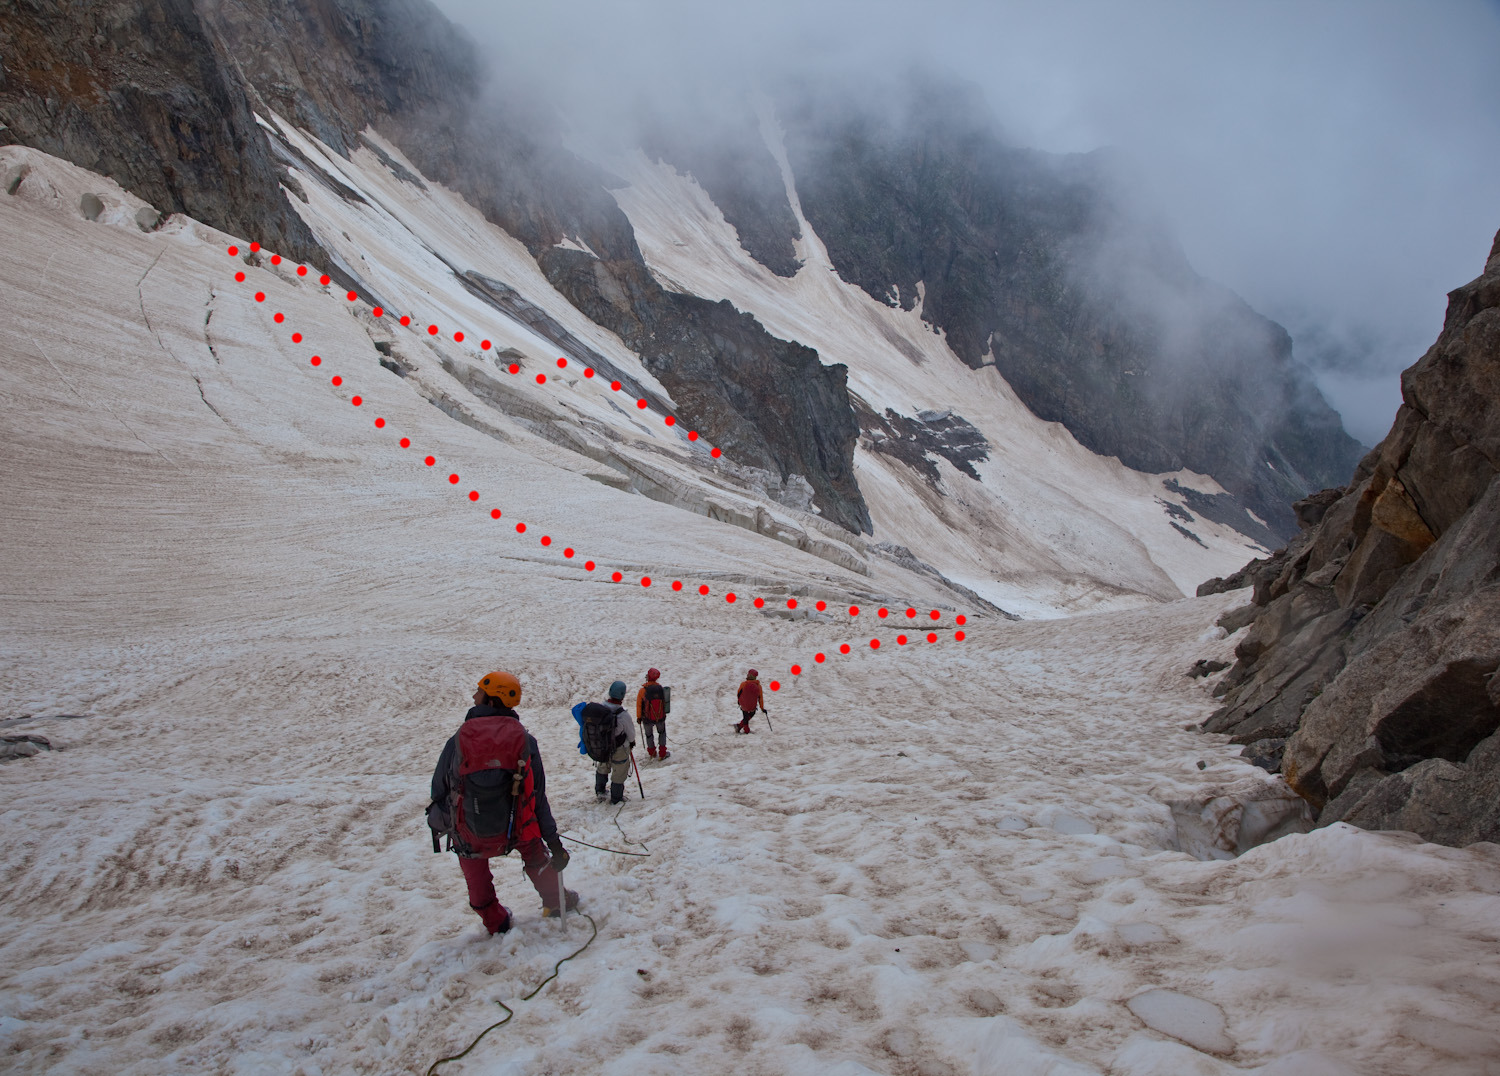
(544, 819)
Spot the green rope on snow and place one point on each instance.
(601, 848)
(627, 836)
(509, 1012)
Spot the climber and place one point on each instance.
(489, 795)
(653, 703)
(609, 734)
(749, 698)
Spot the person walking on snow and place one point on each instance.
(749, 698)
(489, 795)
(609, 733)
(651, 712)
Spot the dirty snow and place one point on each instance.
(248, 620)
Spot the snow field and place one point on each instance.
(946, 859)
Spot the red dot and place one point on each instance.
(911, 612)
(296, 338)
(641, 404)
(337, 380)
(458, 338)
(617, 577)
(316, 360)
(645, 580)
(432, 330)
(541, 379)
(874, 644)
(900, 640)
(430, 460)
(615, 385)
(671, 421)
(379, 311)
(357, 401)
(406, 442)
(278, 317)
(729, 597)
(677, 584)
(796, 670)
(275, 259)
(703, 589)
(254, 247)
(561, 363)
(588, 371)
(568, 552)
(546, 539)
(882, 612)
(932, 636)
(260, 297)
(473, 495)
(453, 479)
(819, 658)
(588, 565)
(405, 319)
(791, 603)
(494, 513)
(325, 280)
(239, 278)
(301, 270)
(352, 296)
(854, 610)
(959, 636)
(960, 619)
(936, 615)
(775, 685)
(484, 345)
(844, 648)
(821, 606)
(692, 435)
(515, 369)
(715, 453)
(760, 603)
(234, 251)
(520, 528)
(380, 423)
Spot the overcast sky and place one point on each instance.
(1336, 163)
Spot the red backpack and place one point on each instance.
(490, 792)
(654, 702)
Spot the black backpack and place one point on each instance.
(599, 731)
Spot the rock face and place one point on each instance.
(1037, 264)
(1378, 639)
(145, 94)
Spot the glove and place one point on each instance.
(560, 857)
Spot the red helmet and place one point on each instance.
(751, 675)
(653, 674)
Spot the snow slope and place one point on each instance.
(263, 618)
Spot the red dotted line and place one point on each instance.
(730, 597)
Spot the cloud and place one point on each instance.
(1337, 164)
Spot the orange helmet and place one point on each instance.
(503, 686)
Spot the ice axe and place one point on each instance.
(767, 715)
(638, 773)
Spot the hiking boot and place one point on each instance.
(616, 793)
(495, 917)
(550, 911)
(651, 751)
(600, 780)
(664, 753)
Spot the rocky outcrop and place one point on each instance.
(145, 94)
(1038, 265)
(1375, 651)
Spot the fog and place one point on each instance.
(1337, 164)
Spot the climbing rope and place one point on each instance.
(601, 848)
(509, 1012)
(642, 844)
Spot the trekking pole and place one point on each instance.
(767, 715)
(637, 776)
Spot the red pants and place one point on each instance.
(482, 883)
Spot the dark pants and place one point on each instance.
(655, 730)
(747, 714)
(481, 882)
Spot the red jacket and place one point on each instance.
(750, 697)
